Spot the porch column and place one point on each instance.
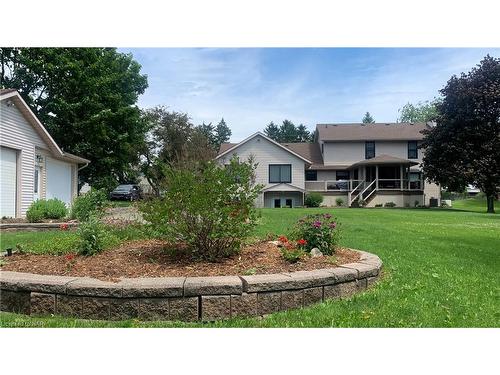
(401, 176)
(376, 177)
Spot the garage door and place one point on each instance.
(8, 177)
(58, 180)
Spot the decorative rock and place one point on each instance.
(197, 286)
(153, 287)
(316, 253)
(244, 305)
(122, 309)
(95, 308)
(215, 307)
(313, 295)
(276, 243)
(268, 302)
(16, 302)
(43, 304)
(69, 305)
(185, 309)
(292, 299)
(154, 309)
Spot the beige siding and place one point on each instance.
(17, 133)
(341, 153)
(432, 191)
(266, 153)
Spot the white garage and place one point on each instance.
(8, 182)
(32, 166)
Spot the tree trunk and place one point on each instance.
(490, 199)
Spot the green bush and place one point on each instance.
(318, 230)
(292, 255)
(339, 201)
(89, 204)
(92, 236)
(46, 209)
(313, 200)
(209, 208)
(390, 204)
(378, 205)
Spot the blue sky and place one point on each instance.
(250, 87)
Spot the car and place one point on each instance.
(127, 192)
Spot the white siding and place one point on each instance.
(17, 133)
(266, 153)
(343, 153)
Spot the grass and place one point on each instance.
(441, 269)
(472, 204)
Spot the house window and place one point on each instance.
(277, 203)
(342, 175)
(412, 150)
(322, 148)
(288, 203)
(35, 189)
(279, 173)
(369, 150)
(311, 175)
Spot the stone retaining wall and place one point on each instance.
(182, 298)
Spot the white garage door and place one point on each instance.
(8, 177)
(59, 180)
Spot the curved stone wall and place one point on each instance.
(182, 298)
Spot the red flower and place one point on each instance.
(69, 257)
(301, 242)
(63, 226)
(283, 239)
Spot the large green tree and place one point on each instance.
(421, 112)
(288, 132)
(216, 135)
(172, 142)
(464, 147)
(86, 98)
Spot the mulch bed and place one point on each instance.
(151, 258)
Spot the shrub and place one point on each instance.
(209, 208)
(313, 200)
(339, 201)
(318, 230)
(92, 236)
(46, 209)
(378, 205)
(390, 204)
(292, 254)
(89, 204)
(416, 203)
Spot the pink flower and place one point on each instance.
(333, 225)
(316, 224)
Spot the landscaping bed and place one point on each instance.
(154, 258)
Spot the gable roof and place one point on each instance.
(226, 148)
(371, 132)
(384, 159)
(16, 98)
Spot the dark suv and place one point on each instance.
(126, 192)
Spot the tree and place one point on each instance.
(216, 135)
(368, 119)
(86, 98)
(172, 142)
(422, 112)
(464, 147)
(288, 132)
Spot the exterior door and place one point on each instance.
(8, 182)
(277, 203)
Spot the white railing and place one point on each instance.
(353, 185)
(332, 185)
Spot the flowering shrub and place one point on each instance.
(210, 208)
(64, 226)
(318, 230)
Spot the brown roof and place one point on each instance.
(309, 151)
(225, 146)
(6, 91)
(384, 159)
(371, 132)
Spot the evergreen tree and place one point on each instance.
(368, 119)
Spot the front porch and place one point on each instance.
(368, 177)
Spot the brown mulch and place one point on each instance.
(151, 258)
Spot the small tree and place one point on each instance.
(368, 118)
(209, 208)
(464, 147)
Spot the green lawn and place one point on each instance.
(441, 269)
(472, 204)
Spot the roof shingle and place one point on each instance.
(371, 132)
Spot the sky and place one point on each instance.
(250, 87)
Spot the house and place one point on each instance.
(32, 165)
(369, 163)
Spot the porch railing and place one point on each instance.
(353, 185)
